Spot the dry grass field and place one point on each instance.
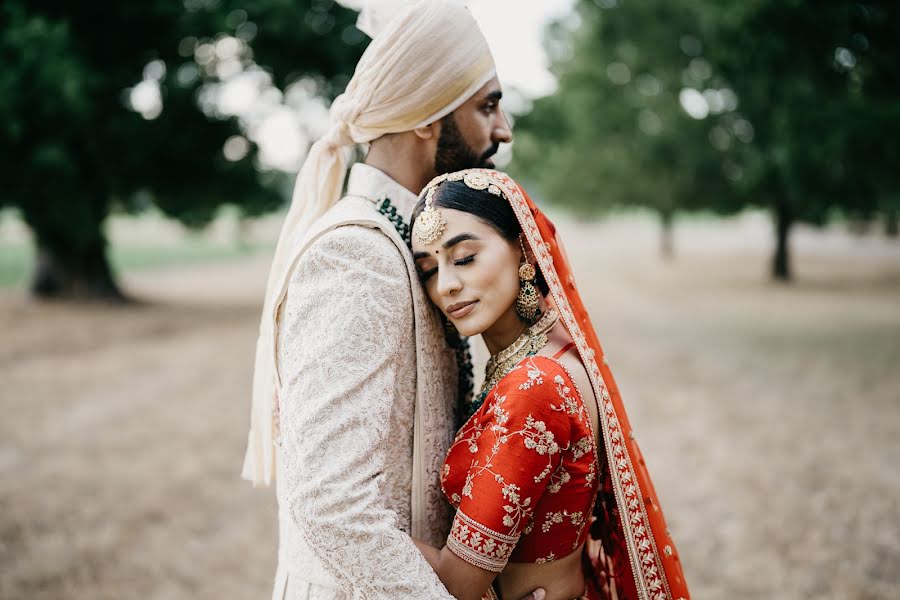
(769, 416)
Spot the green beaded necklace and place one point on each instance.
(385, 207)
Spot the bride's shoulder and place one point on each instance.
(536, 373)
(565, 372)
(549, 364)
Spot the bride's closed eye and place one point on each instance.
(425, 274)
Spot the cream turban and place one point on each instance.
(426, 58)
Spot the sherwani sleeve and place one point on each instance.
(348, 318)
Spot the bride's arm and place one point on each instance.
(431, 554)
(520, 445)
(462, 580)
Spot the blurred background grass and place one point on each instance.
(147, 241)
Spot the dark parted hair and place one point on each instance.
(490, 209)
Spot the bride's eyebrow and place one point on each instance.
(463, 237)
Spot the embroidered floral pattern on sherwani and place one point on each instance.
(521, 460)
(350, 344)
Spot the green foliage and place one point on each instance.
(73, 148)
(821, 85)
(614, 134)
(803, 107)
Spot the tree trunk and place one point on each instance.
(64, 270)
(891, 226)
(667, 237)
(784, 219)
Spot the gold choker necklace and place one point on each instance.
(529, 343)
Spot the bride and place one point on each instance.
(549, 487)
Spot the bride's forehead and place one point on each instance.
(459, 222)
(459, 218)
(456, 222)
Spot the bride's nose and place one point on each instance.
(448, 282)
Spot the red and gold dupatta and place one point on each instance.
(630, 554)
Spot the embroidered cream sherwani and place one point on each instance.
(366, 409)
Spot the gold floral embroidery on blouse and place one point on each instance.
(526, 457)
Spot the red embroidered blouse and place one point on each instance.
(523, 471)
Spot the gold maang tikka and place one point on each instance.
(430, 224)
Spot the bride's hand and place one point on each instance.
(539, 594)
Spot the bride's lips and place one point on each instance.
(460, 309)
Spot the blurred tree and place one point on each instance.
(820, 85)
(615, 133)
(717, 105)
(99, 108)
(891, 224)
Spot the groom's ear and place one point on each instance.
(429, 132)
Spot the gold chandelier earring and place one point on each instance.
(527, 302)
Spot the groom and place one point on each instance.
(355, 387)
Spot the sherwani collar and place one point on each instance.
(375, 185)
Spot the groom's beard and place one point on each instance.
(453, 154)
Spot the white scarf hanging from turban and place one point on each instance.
(426, 58)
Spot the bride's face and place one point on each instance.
(471, 273)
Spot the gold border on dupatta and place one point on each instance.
(643, 553)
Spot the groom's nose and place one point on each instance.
(501, 132)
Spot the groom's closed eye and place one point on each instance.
(426, 275)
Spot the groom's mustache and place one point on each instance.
(490, 152)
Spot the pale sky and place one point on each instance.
(283, 125)
(514, 30)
